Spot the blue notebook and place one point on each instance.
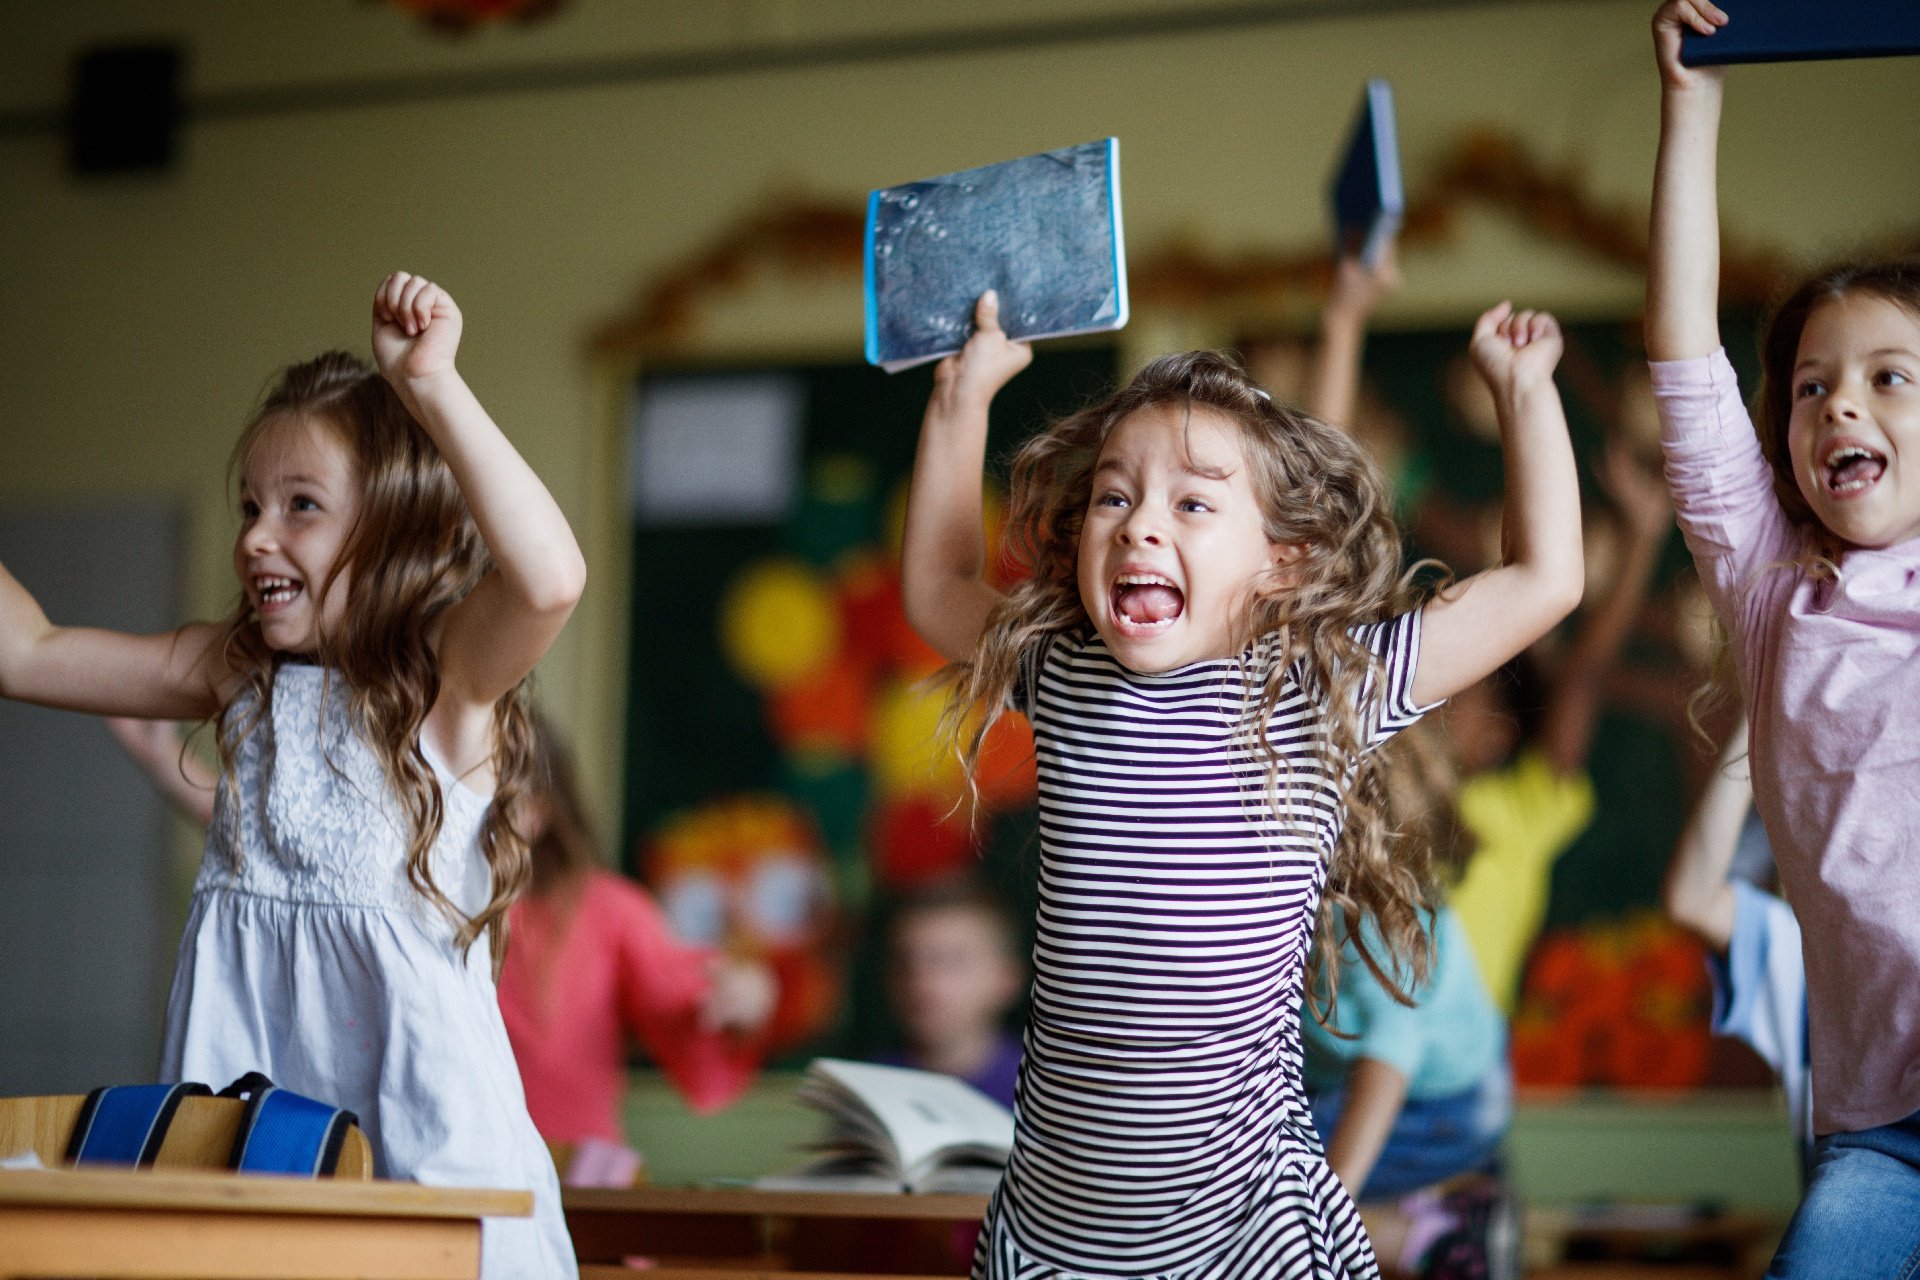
(1044, 231)
(1368, 198)
(1802, 30)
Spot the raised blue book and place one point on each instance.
(1803, 30)
(1044, 231)
(1368, 197)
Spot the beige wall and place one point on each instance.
(138, 318)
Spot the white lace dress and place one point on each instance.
(309, 956)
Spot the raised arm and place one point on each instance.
(1469, 630)
(1683, 267)
(492, 638)
(944, 551)
(1646, 516)
(173, 676)
(1356, 290)
(1697, 895)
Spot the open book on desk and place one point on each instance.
(897, 1129)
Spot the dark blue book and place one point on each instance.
(1044, 231)
(1803, 30)
(1368, 197)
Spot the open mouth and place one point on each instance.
(275, 593)
(1144, 603)
(1852, 469)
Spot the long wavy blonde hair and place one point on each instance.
(412, 552)
(1318, 491)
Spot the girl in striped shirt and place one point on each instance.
(1215, 636)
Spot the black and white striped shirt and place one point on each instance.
(1162, 1127)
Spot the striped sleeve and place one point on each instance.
(1020, 697)
(1387, 701)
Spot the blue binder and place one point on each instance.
(1044, 231)
(1804, 30)
(1369, 198)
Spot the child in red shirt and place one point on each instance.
(592, 959)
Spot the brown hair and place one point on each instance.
(413, 551)
(1897, 282)
(962, 895)
(1317, 489)
(565, 850)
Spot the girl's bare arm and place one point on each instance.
(489, 641)
(1683, 266)
(173, 676)
(944, 551)
(1469, 630)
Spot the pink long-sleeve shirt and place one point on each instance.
(577, 984)
(1832, 689)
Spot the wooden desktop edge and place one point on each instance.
(252, 1193)
(749, 1201)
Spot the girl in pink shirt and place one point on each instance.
(1807, 538)
(592, 961)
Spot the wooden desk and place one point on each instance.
(736, 1234)
(123, 1225)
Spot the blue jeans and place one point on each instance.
(1433, 1139)
(1860, 1215)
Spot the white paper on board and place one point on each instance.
(714, 449)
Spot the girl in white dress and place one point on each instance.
(401, 570)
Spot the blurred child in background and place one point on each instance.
(593, 960)
(1408, 1097)
(953, 973)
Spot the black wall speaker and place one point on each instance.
(126, 109)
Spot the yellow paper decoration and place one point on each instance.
(907, 753)
(779, 623)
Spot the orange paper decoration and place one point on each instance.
(1006, 775)
(829, 712)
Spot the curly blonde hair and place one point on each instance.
(413, 551)
(1319, 491)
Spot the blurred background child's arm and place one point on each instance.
(1375, 1093)
(1646, 518)
(1697, 894)
(1683, 263)
(182, 777)
(944, 553)
(1357, 290)
(742, 996)
(1469, 630)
